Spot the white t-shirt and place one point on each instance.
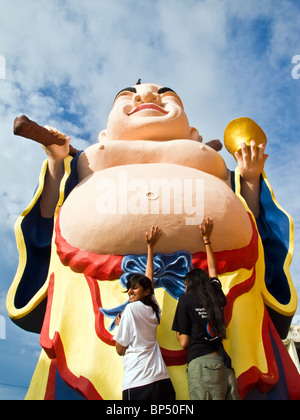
(143, 362)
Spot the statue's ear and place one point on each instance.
(194, 134)
(102, 135)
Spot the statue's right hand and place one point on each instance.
(55, 151)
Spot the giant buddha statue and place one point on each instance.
(83, 235)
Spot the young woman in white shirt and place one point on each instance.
(145, 374)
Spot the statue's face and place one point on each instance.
(147, 112)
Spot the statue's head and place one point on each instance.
(148, 112)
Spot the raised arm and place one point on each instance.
(206, 228)
(251, 161)
(56, 155)
(152, 236)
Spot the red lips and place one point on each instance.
(148, 106)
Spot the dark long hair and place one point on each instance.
(145, 283)
(211, 296)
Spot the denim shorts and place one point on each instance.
(210, 379)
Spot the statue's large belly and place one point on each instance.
(109, 212)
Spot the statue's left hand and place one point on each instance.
(251, 161)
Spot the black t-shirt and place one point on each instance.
(191, 319)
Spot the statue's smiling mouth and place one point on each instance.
(148, 106)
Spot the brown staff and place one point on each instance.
(24, 127)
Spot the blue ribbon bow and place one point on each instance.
(169, 273)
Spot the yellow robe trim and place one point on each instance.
(18, 313)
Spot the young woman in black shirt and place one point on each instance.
(200, 326)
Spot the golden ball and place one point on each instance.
(242, 130)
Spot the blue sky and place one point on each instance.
(66, 60)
